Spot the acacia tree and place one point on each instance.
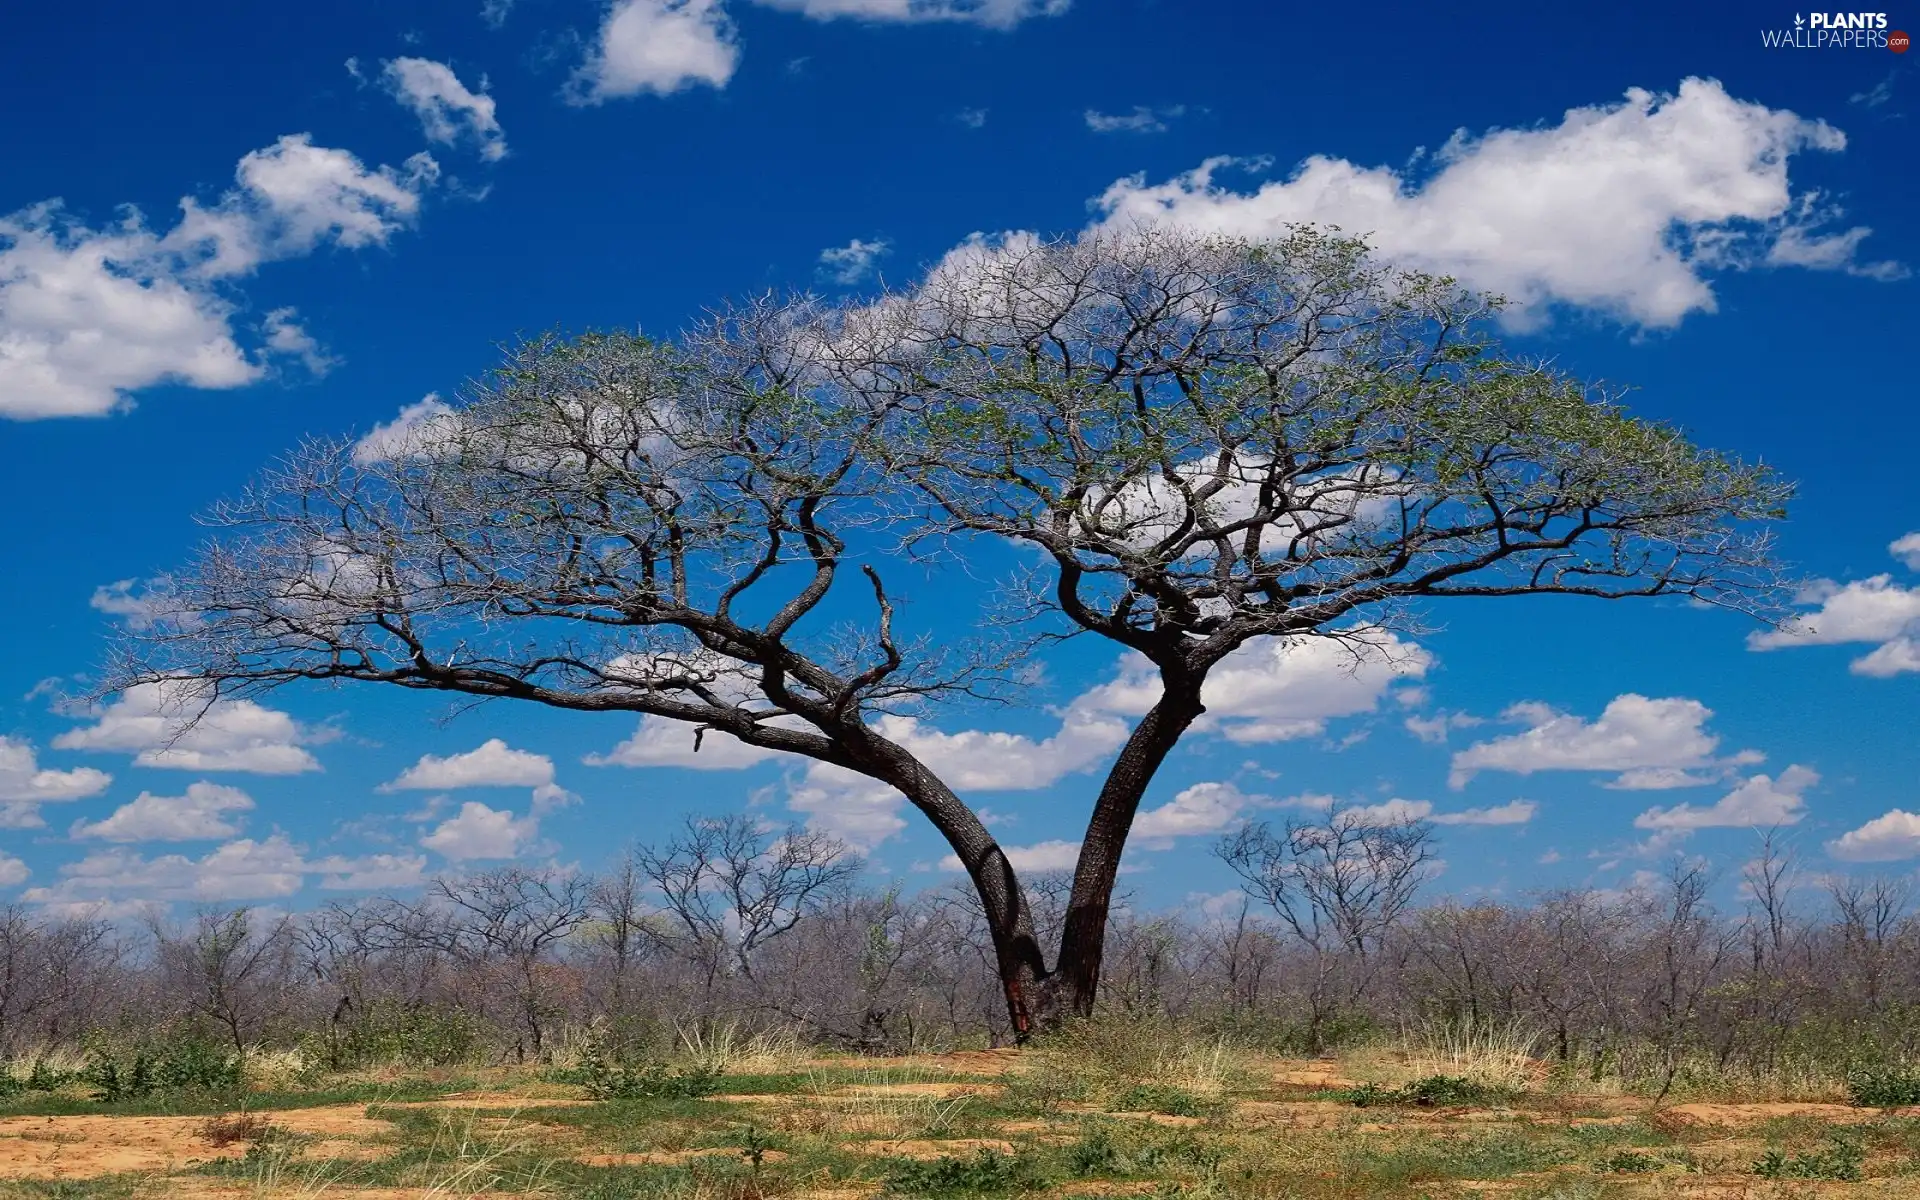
(1210, 441)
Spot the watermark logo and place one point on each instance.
(1836, 31)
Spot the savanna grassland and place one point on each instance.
(1114, 1107)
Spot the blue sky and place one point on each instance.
(375, 195)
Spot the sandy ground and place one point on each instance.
(83, 1147)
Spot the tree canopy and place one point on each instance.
(1207, 440)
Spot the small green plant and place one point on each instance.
(650, 1081)
(1840, 1159)
(1159, 1098)
(1628, 1162)
(181, 1064)
(1435, 1091)
(985, 1170)
(1097, 1153)
(1884, 1087)
(754, 1144)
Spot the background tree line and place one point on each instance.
(729, 924)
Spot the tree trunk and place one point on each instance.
(1076, 979)
(1024, 978)
(1038, 999)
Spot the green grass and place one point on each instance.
(1435, 1091)
(111, 1187)
(1884, 1087)
(191, 1103)
(1495, 1156)
(1161, 1098)
(984, 1172)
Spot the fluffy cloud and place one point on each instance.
(119, 881)
(411, 432)
(1651, 742)
(89, 315)
(1514, 812)
(170, 726)
(1624, 208)
(657, 46)
(1434, 730)
(662, 46)
(1906, 548)
(1277, 689)
(373, 872)
(478, 831)
(1141, 120)
(492, 764)
(1200, 809)
(447, 110)
(198, 815)
(1875, 609)
(1758, 801)
(663, 742)
(12, 871)
(1892, 836)
(992, 14)
(1056, 855)
(978, 761)
(295, 197)
(853, 262)
(25, 785)
(283, 336)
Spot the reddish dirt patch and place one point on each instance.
(1749, 1114)
(929, 1148)
(1313, 1075)
(668, 1158)
(85, 1147)
(461, 1100)
(1296, 1114)
(940, 1091)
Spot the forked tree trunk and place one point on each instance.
(1038, 998)
(1083, 940)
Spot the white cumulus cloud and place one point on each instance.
(1625, 208)
(448, 111)
(1055, 855)
(1200, 809)
(25, 785)
(1642, 739)
(1278, 689)
(1759, 801)
(413, 431)
(477, 832)
(90, 315)
(491, 764)
(853, 262)
(200, 814)
(119, 881)
(169, 725)
(1875, 609)
(657, 46)
(1890, 837)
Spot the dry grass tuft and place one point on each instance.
(231, 1128)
